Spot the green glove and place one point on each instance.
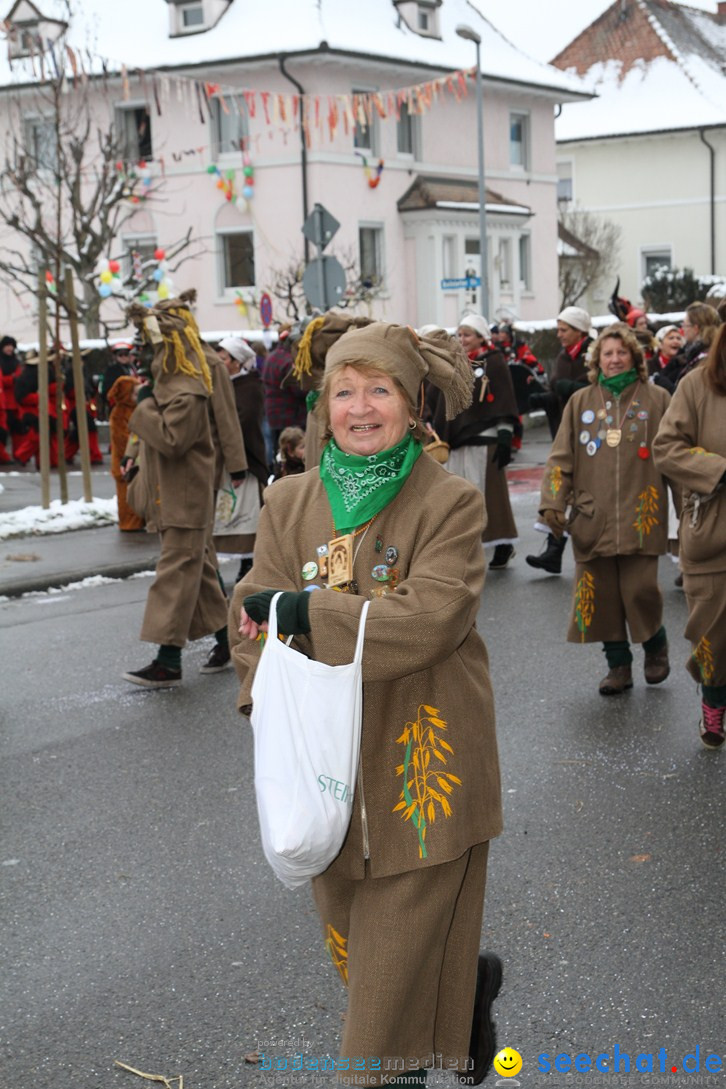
(292, 610)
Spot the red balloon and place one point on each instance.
(114, 266)
(159, 255)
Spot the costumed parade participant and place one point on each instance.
(380, 521)
(185, 600)
(480, 437)
(690, 448)
(600, 467)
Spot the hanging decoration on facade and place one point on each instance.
(225, 182)
(373, 176)
(319, 116)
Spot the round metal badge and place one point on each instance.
(588, 416)
(309, 570)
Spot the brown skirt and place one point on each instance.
(706, 628)
(611, 592)
(406, 946)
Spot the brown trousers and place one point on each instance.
(612, 591)
(407, 947)
(185, 599)
(706, 627)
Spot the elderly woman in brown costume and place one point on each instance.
(600, 466)
(401, 905)
(480, 437)
(691, 448)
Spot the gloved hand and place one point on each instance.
(554, 520)
(292, 610)
(144, 392)
(565, 387)
(237, 478)
(503, 450)
(129, 468)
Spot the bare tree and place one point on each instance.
(286, 285)
(588, 253)
(70, 183)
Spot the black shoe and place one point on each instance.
(483, 1044)
(550, 559)
(503, 553)
(244, 567)
(219, 659)
(155, 676)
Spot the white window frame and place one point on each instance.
(122, 115)
(450, 256)
(222, 145)
(193, 28)
(427, 19)
(38, 146)
(504, 264)
(522, 117)
(379, 250)
(567, 165)
(223, 233)
(145, 242)
(372, 148)
(524, 257)
(647, 253)
(411, 121)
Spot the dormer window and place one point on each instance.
(421, 16)
(29, 32)
(191, 16)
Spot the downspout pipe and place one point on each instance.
(303, 150)
(712, 172)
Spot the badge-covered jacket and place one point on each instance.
(617, 496)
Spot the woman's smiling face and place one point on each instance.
(368, 411)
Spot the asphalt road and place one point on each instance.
(140, 922)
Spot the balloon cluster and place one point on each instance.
(50, 283)
(110, 277)
(241, 305)
(112, 284)
(141, 172)
(372, 177)
(226, 183)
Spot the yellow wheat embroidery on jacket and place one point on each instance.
(424, 784)
(336, 946)
(701, 450)
(555, 480)
(703, 657)
(584, 603)
(645, 512)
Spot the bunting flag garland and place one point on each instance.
(319, 116)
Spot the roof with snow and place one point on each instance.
(656, 66)
(137, 34)
(456, 194)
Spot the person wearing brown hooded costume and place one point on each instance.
(401, 906)
(185, 600)
(122, 395)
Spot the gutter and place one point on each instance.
(712, 196)
(303, 150)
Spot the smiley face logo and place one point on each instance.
(508, 1062)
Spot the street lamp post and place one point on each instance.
(471, 35)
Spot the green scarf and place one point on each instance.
(359, 487)
(618, 382)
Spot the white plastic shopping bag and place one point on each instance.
(238, 509)
(306, 718)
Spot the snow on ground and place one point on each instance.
(58, 518)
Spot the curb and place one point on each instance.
(41, 583)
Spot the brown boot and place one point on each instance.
(656, 666)
(618, 679)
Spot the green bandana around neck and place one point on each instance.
(359, 487)
(618, 382)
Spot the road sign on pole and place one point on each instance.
(324, 282)
(320, 226)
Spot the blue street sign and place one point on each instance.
(465, 283)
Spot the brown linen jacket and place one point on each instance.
(690, 448)
(618, 498)
(426, 688)
(177, 455)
